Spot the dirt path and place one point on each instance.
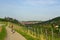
(13, 36)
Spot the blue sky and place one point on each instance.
(30, 9)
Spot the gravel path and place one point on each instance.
(13, 36)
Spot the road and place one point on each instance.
(13, 36)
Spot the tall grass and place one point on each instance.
(38, 32)
(28, 37)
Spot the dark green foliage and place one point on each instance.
(8, 19)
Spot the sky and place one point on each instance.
(28, 10)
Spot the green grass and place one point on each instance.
(3, 33)
(28, 37)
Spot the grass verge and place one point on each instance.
(28, 37)
(3, 33)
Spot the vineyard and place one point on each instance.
(41, 32)
(49, 30)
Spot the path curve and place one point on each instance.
(13, 36)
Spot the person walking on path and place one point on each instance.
(12, 29)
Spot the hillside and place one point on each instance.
(45, 30)
(8, 19)
(51, 21)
